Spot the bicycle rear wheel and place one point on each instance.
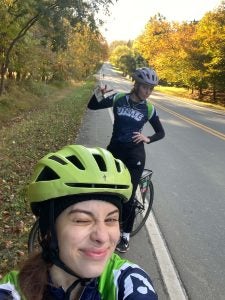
(143, 207)
(33, 244)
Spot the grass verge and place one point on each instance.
(188, 96)
(46, 128)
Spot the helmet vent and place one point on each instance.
(47, 174)
(100, 162)
(98, 186)
(118, 166)
(76, 162)
(58, 159)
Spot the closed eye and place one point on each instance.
(82, 222)
(112, 221)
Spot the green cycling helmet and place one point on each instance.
(78, 170)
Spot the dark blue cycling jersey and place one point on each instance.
(129, 117)
(120, 280)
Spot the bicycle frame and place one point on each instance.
(144, 182)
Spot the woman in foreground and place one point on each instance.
(77, 194)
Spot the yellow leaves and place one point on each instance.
(8, 2)
(180, 50)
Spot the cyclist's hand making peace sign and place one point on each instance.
(101, 91)
(105, 89)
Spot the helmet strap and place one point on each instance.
(70, 288)
(83, 282)
(51, 250)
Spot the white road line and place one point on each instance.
(169, 273)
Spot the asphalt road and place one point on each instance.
(189, 181)
(189, 167)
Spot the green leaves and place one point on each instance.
(50, 20)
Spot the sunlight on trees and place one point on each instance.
(190, 55)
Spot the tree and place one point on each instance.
(211, 37)
(150, 43)
(115, 44)
(84, 53)
(127, 64)
(173, 51)
(18, 17)
(118, 52)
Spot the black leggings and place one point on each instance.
(133, 156)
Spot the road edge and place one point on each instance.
(167, 268)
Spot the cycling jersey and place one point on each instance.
(121, 279)
(129, 117)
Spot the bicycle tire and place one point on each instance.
(33, 244)
(139, 221)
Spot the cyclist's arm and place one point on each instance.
(94, 104)
(158, 128)
(135, 284)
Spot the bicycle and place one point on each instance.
(143, 204)
(143, 201)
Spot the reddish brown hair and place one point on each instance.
(33, 278)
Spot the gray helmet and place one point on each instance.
(146, 76)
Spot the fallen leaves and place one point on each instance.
(8, 244)
(17, 228)
(21, 145)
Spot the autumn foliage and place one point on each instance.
(187, 54)
(50, 39)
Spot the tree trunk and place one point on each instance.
(18, 76)
(200, 93)
(21, 34)
(214, 93)
(3, 72)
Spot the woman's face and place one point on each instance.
(87, 235)
(144, 91)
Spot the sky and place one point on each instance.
(129, 17)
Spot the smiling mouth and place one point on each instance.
(96, 254)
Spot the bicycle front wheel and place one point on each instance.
(143, 207)
(33, 244)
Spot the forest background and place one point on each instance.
(49, 51)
